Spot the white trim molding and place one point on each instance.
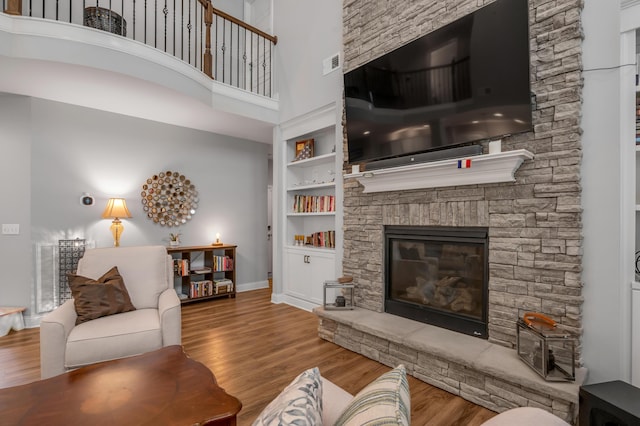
(487, 168)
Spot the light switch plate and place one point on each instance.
(10, 228)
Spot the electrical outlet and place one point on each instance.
(10, 229)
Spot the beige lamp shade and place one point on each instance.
(116, 208)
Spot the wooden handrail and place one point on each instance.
(273, 39)
(14, 7)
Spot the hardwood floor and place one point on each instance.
(255, 348)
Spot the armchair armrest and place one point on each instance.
(170, 314)
(54, 330)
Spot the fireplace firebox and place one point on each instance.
(439, 276)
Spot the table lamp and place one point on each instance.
(116, 208)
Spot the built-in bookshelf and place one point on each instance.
(311, 156)
(204, 272)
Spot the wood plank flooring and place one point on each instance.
(255, 348)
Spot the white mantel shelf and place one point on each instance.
(486, 168)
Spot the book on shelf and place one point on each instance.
(203, 270)
(201, 288)
(313, 203)
(326, 239)
(222, 263)
(222, 286)
(181, 267)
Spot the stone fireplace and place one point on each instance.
(533, 224)
(438, 276)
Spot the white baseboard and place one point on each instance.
(252, 286)
(294, 301)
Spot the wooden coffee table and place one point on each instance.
(163, 387)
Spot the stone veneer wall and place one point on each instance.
(535, 223)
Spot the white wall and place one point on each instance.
(76, 150)
(607, 261)
(15, 174)
(308, 32)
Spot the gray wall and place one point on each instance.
(76, 150)
(15, 173)
(308, 32)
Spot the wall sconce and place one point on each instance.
(116, 208)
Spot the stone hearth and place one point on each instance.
(481, 372)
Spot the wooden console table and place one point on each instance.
(164, 387)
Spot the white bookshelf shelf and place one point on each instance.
(312, 186)
(314, 161)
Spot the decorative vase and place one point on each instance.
(174, 243)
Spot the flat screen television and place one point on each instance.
(463, 83)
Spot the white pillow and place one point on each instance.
(300, 403)
(386, 401)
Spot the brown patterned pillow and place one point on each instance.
(98, 298)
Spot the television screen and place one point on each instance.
(465, 82)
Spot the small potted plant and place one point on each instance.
(174, 239)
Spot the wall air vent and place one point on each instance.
(330, 64)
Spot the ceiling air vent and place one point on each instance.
(332, 63)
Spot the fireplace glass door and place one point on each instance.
(438, 276)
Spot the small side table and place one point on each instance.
(11, 318)
(346, 295)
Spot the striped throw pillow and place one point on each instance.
(300, 403)
(385, 401)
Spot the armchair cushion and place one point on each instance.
(113, 337)
(104, 296)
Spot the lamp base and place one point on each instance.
(116, 230)
(217, 244)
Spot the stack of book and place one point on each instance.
(201, 288)
(314, 203)
(222, 263)
(325, 239)
(181, 267)
(222, 286)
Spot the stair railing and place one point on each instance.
(218, 44)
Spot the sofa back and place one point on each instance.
(146, 270)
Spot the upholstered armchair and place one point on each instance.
(147, 273)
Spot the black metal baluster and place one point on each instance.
(174, 27)
(196, 36)
(215, 45)
(244, 62)
(166, 12)
(182, 31)
(111, 26)
(145, 21)
(264, 67)
(30, 8)
(124, 34)
(70, 3)
(134, 19)
(43, 9)
(224, 41)
(238, 60)
(270, 69)
(189, 33)
(155, 24)
(231, 53)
